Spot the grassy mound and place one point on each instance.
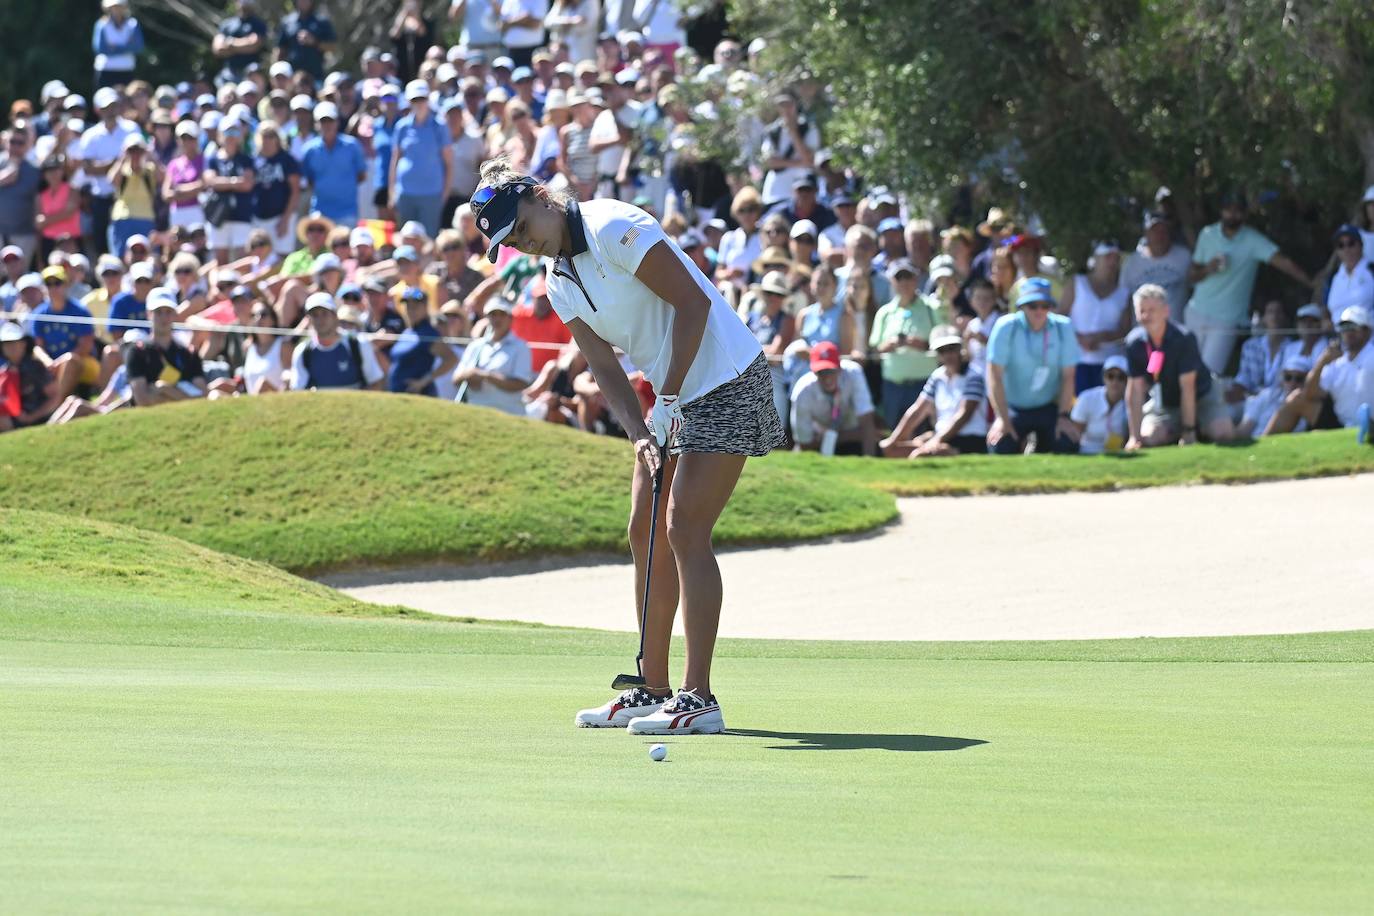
(170, 739)
(310, 482)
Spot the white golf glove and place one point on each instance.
(666, 420)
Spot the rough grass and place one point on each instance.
(209, 734)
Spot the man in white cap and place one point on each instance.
(161, 369)
(100, 146)
(1260, 408)
(12, 263)
(1341, 383)
(495, 369)
(117, 41)
(334, 164)
(421, 160)
(333, 358)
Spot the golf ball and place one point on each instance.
(658, 752)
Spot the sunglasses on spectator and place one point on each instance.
(341, 243)
(262, 313)
(1295, 377)
(262, 244)
(1348, 243)
(53, 282)
(451, 249)
(1347, 326)
(1114, 376)
(1037, 306)
(751, 209)
(184, 270)
(313, 230)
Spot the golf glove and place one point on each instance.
(666, 421)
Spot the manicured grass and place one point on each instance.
(169, 743)
(1319, 454)
(309, 482)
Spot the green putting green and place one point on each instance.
(204, 734)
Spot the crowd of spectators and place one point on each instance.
(292, 220)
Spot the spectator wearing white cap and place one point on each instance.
(953, 401)
(109, 270)
(1261, 407)
(301, 130)
(573, 24)
(496, 369)
(135, 176)
(544, 159)
(162, 369)
(576, 161)
(28, 390)
(240, 41)
(100, 146)
(276, 189)
(1352, 277)
(901, 336)
(1312, 338)
(335, 166)
(1097, 305)
(421, 161)
(183, 180)
(12, 265)
(1159, 259)
(1340, 384)
(801, 242)
(117, 40)
(229, 179)
(333, 358)
(52, 96)
(1100, 412)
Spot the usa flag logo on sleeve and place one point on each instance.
(629, 237)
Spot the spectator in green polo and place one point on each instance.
(901, 335)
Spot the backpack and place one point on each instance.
(308, 359)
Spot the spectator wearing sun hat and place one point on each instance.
(117, 40)
(334, 164)
(832, 411)
(1340, 387)
(421, 161)
(1031, 357)
(1352, 279)
(333, 358)
(101, 145)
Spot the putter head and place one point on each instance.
(627, 682)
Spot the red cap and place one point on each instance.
(825, 355)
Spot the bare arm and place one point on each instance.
(1135, 406)
(997, 393)
(1285, 264)
(665, 275)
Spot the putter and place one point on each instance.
(627, 681)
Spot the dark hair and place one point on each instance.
(978, 283)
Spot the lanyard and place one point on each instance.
(1044, 342)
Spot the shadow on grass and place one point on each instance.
(817, 741)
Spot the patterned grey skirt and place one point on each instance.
(737, 418)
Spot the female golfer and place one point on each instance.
(617, 280)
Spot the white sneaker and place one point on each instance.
(684, 714)
(618, 712)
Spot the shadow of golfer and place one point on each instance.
(808, 741)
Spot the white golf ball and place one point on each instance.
(658, 752)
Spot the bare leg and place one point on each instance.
(663, 597)
(1294, 408)
(701, 488)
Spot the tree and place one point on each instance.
(1078, 109)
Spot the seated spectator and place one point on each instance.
(1352, 280)
(313, 234)
(126, 307)
(28, 391)
(68, 344)
(1100, 412)
(380, 316)
(1340, 384)
(535, 322)
(801, 241)
(982, 299)
(1261, 406)
(418, 356)
(773, 328)
(456, 278)
(1165, 355)
(495, 369)
(1262, 355)
(1312, 338)
(110, 270)
(332, 358)
(552, 396)
(1096, 303)
(832, 411)
(161, 369)
(266, 356)
(953, 400)
(901, 335)
(1032, 355)
(411, 276)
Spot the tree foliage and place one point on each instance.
(1078, 109)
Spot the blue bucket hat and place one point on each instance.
(1035, 289)
(495, 207)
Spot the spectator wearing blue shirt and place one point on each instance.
(383, 129)
(304, 37)
(240, 41)
(69, 344)
(117, 41)
(1031, 358)
(421, 159)
(418, 356)
(334, 165)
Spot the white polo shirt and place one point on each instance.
(813, 410)
(1350, 287)
(99, 144)
(1350, 382)
(610, 239)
